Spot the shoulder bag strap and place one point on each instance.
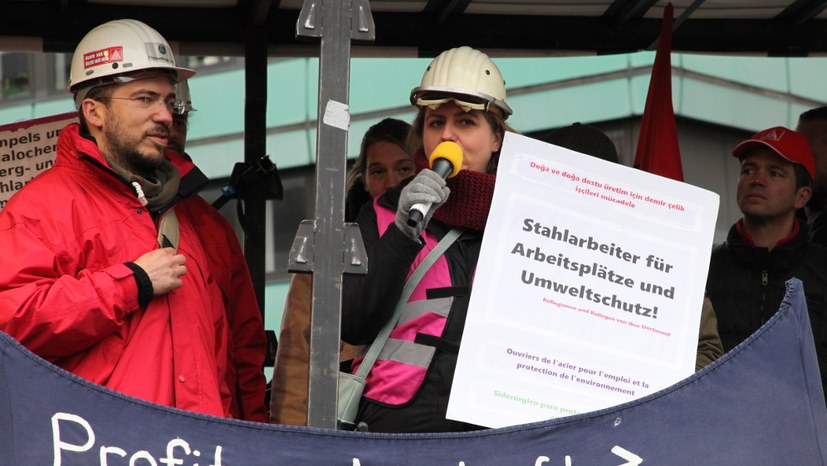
(410, 285)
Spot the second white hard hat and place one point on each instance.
(183, 99)
(466, 76)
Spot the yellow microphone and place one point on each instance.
(446, 161)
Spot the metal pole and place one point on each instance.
(255, 146)
(326, 245)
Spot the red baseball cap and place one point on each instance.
(791, 145)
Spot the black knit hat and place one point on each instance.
(585, 139)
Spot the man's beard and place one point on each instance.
(124, 152)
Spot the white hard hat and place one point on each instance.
(183, 100)
(466, 76)
(119, 47)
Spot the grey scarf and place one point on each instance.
(156, 191)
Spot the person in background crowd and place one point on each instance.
(585, 139)
(589, 140)
(769, 245)
(461, 99)
(382, 163)
(813, 125)
(103, 271)
(247, 343)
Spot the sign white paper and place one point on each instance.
(588, 290)
(26, 149)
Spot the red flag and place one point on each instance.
(658, 151)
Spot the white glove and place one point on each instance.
(427, 188)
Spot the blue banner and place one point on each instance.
(761, 404)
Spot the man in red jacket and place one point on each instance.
(104, 270)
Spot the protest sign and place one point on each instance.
(26, 149)
(588, 291)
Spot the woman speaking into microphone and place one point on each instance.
(461, 120)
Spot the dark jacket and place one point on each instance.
(817, 224)
(369, 301)
(746, 286)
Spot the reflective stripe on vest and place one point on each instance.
(407, 352)
(418, 310)
(402, 365)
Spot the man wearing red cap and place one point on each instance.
(769, 245)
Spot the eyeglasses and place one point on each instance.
(147, 102)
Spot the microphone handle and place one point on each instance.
(443, 167)
(417, 214)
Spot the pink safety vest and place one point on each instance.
(402, 364)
